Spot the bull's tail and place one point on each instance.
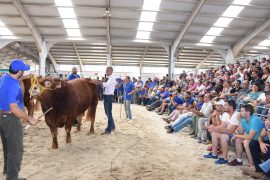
(91, 111)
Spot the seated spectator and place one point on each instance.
(187, 118)
(263, 102)
(266, 73)
(141, 95)
(250, 97)
(250, 127)
(256, 79)
(162, 95)
(221, 134)
(234, 91)
(262, 145)
(226, 88)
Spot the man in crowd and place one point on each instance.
(226, 112)
(74, 74)
(249, 128)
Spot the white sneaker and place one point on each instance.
(128, 119)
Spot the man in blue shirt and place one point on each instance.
(262, 145)
(249, 128)
(74, 74)
(119, 88)
(11, 111)
(128, 91)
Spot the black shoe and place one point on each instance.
(22, 179)
(170, 130)
(105, 132)
(168, 127)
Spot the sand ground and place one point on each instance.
(139, 149)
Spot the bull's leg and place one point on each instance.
(54, 132)
(79, 118)
(68, 129)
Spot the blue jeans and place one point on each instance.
(127, 109)
(266, 167)
(171, 108)
(108, 110)
(182, 121)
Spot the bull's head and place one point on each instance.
(38, 86)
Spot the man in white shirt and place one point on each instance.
(223, 132)
(108, 98)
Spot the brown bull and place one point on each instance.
(69, 101)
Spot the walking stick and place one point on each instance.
(26, 127)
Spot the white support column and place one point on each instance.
(171, 63)
(4, 43)
(109, 60)
(42, 59)
(229, 58)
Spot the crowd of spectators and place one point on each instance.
(224, 107)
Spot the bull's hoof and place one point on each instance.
(90, 133)
(68, 141)
(54, 146)
(77, 131)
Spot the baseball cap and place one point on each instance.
(19, 65)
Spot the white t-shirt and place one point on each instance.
(262, 97)
(201, 87)
(225, 117)
(206, 109)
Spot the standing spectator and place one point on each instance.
(74, 74)
(128, 91)
(108, 98)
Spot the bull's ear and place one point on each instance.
(58, 85)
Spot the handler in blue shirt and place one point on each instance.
(128, 91)
(74, 74)
(11, 111)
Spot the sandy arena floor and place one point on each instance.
(139, 149)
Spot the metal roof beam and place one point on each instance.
(204, 60)
(28, 21)
(141, 62)
(242, 43)
(79, 58)
(181, 34)
(53, 62)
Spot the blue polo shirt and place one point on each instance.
(127, 89)
(254, 124)
(141, 92)
(120, 89)
(73, 76)
(10, 92)
(179, 100)
(189, 101)
(166, 94)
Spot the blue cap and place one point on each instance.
(19, 65)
